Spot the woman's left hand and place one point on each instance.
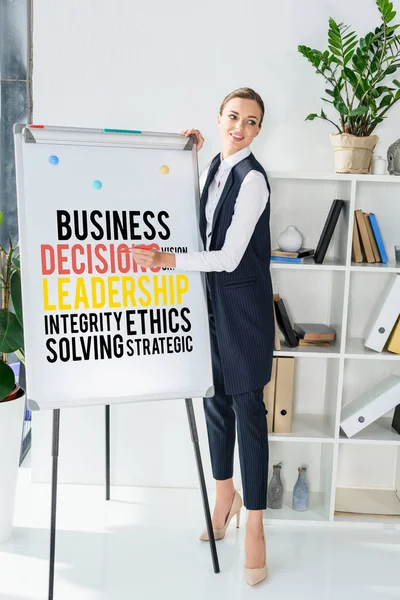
(153, 258)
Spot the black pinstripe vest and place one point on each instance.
(241, 301)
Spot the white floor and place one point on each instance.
(143, 545)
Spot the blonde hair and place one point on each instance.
(246, 94)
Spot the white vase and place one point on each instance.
(378, 165)
(290, 240)
(11, 422)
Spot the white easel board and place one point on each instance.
(98, 328)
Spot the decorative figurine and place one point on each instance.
(393, 157)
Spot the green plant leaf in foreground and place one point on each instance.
(7, 380)
(11, 332)
(16, 295)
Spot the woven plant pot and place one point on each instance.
(353, 154)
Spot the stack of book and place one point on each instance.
(300, 334)
(314, 334)
(291, 257)
(368, 245)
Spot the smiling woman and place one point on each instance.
(234, 226)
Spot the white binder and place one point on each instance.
(371, 405)
(384, 317)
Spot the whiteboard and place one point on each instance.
(98, 328)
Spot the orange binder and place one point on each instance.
(357, 253)
(394, 339)
(366, 242)
(284, 381)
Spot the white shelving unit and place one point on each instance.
(361, 473)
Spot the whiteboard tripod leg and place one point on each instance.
(108, 481)
(195, 440)
(54, 480)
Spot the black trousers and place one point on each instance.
(246, 412)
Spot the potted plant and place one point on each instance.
(12, 397)
(360, 88)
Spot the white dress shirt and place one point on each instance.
(250, 204)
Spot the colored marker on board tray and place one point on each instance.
(108, 130)
(143, 247)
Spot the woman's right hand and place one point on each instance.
(199, 137)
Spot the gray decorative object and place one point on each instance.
(393, 158)
(290, 240)
(378, 165)
(300, 491)
(275, 489)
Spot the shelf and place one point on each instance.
(341, 296)
(334, 264)
(379, 432)
(309, 351)
(316, 510)
(389, 267)
(312, 175)
(331, 176)
(329, 264)
(306, 428)
(364, 521)
(355, 349)
(367, 502)
(377, 178)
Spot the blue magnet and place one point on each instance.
(53, 160)
(97, 185)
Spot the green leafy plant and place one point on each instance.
(11, 328)
(355, 71)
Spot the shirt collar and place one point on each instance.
(233, 160)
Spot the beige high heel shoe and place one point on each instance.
(237, 504)
(254, 576)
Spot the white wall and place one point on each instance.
(165, 66)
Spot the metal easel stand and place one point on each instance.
(196, 446)
(54, 482)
